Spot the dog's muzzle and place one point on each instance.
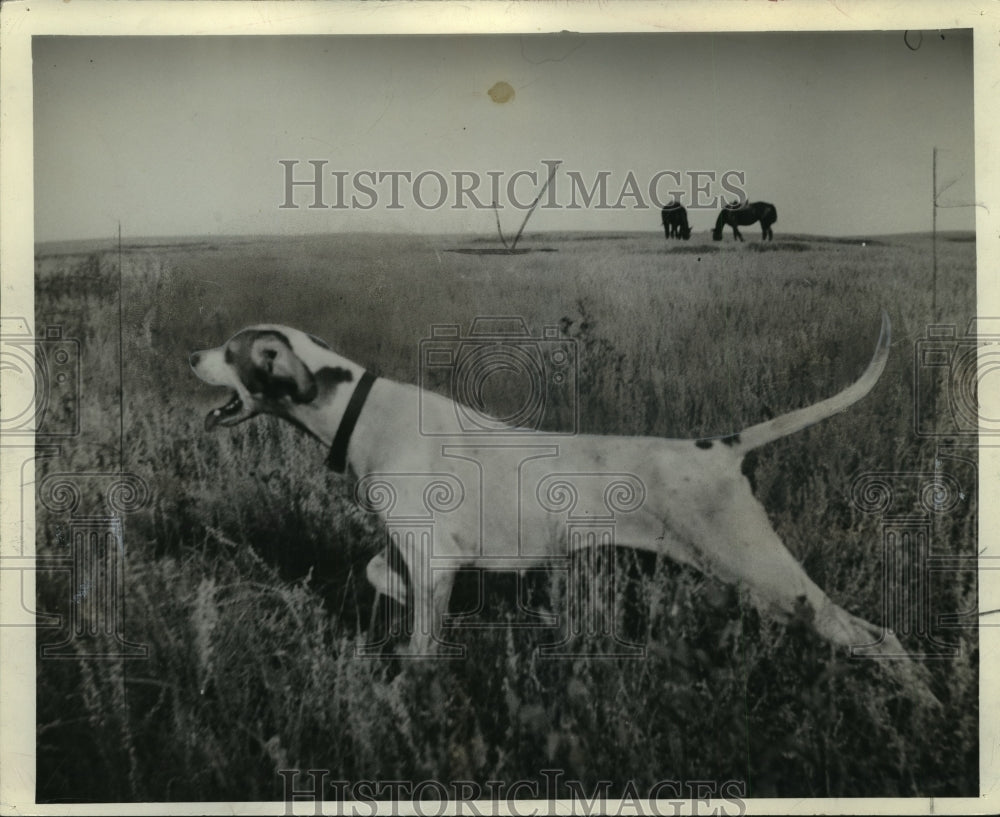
(235, 410)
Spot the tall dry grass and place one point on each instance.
(244, 573)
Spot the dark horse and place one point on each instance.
(750, 212)
(675, 221)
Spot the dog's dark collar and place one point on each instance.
(337, 458)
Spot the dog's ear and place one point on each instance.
(281, 370)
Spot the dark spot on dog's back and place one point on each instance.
(732, 439)
(703, 443)
(318, 341)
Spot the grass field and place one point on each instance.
(244, 570)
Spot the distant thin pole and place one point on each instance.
(496, 212)
(121, 363)
(934, 235)
(534, 204)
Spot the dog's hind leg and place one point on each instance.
(734, 540)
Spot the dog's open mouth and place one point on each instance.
(233, 412)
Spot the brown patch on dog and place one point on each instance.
(267, 366)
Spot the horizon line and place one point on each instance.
(114, 237)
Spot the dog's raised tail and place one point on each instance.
(786, 424)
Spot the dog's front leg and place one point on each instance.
(431, 594)
(385, 579)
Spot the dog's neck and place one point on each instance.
(336, 460)
(336, 379)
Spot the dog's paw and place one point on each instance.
(839, 627)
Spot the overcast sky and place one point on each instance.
(185, 135)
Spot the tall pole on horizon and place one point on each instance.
(121, 362)
(934, 314)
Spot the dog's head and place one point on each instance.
(268, 369)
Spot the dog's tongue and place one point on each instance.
(231, 409)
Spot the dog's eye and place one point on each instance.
(267, 359)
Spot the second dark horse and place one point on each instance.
(675, 221)
(737, 217)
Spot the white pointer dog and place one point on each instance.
(508, 497)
